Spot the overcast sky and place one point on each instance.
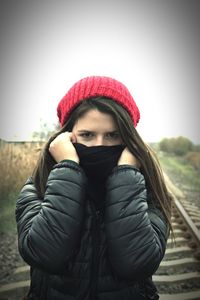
(152, 46)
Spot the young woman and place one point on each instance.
(94, 218)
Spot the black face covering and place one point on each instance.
(98, 161)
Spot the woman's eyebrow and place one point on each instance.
(87, 130)
(84, 130)
(113, 131)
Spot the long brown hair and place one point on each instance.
(150, 166)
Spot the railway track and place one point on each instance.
(178, 277)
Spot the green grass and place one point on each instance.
(7, 213)
(180, 169)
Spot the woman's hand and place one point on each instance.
(62, 148)
(127, 158)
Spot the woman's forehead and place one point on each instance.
(94, 119)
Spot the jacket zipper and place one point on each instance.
(95, 258)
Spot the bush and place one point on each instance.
(194, 159)
(177, 146)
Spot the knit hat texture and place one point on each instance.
(95, 86)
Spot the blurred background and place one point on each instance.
(152, 46)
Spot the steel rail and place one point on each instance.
(176, 193)
(193, 228)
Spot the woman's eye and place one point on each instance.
(86, 135)
(113, 135)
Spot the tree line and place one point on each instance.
(182, 146)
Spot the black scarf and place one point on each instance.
(98, 161)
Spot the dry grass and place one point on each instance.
(16, 165)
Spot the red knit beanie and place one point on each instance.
(95, 86)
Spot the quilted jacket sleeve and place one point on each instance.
(136, 233)
(49, 229)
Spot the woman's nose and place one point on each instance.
(99, 141)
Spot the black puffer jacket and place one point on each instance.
(79, 252)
